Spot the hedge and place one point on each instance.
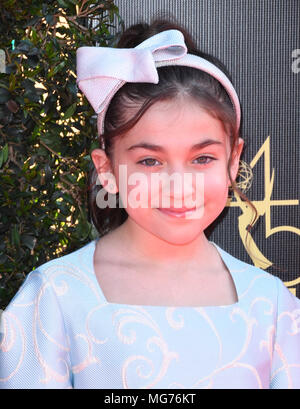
(47, 131)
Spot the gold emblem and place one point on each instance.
(263, 207)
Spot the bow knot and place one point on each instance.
(101, 71)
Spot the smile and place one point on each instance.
(177, 213)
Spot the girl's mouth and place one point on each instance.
(177, 213)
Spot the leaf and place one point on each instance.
(5, 153)
(62, 3)
(12, 82)
(4, 95)
(49, 50)
(12, 106)
(50, 19)
(59, 67)
(28, 241)
(24, 46)
(70, 111)
(15, 237)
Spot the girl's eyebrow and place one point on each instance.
(157, 148)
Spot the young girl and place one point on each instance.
(153, 303)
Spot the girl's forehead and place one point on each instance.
(181, 121)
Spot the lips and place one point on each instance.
(174, 212)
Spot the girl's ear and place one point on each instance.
(234, 167)
(104, 170)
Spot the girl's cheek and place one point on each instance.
(215, 187)
(134, 189)
(217, 178)
(146, 189)
(149, 191)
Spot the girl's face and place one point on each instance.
(182, 141)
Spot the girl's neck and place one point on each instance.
(143, 247)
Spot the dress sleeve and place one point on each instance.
(286, 352)
(34, 352)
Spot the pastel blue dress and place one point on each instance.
(59, 331)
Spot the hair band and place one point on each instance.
(102, 71)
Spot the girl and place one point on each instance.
(153, 303)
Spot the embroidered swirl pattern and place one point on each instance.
(60, 329)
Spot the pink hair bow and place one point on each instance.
(101, 71)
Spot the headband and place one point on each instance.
(102, 71)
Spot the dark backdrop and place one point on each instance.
(259, 42)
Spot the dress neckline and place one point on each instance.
(228, 260)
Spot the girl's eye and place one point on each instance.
(148, 162)
(203, 160)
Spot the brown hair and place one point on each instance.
(133, 99)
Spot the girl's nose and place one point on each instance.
(180, 189)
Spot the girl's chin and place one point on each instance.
(171, 229)
(177, 237)
(179, 241)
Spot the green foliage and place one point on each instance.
(47, 131)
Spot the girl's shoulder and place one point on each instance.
(70, 270)
(80, 259)
(254, 281)
(242, 269)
